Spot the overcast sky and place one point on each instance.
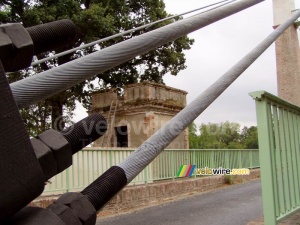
(216, 49)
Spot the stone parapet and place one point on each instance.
(139, 196)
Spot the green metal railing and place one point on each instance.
(279, 141)
(90, 163)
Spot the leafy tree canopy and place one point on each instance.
(249, 137)
(225, 135)
(95, 19)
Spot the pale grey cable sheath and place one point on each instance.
(147, 152)
(55, 80)
(120, 34)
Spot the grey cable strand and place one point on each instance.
(55, 80)
(147, 152)
(120, 34)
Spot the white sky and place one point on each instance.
(216, 49)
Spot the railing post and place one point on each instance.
(227, 159)
(194, 161)
(172, 165)
(83, 171)
(88, 166)
(264, 126)
(68, 179)
(110, 158)
(97, 162)
(212, 159)
(251, 159)
(145, 174)
(93, 170)
(240, 158)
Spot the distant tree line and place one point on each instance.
(225, 135)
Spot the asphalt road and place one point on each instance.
(233, 205)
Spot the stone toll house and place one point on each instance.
(136, 116)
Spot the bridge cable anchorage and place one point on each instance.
(152, 147)
(48, 83)
(146, 26)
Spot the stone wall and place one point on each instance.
(103, 99)
(144, 109)
(152, 91)
(288, 66)
(143, 195)
(287, 53)
(134, 197)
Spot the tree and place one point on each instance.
(208, 138)
(249, 137)
(222, 135)
(225, 135)
(193, 137)
(95, 19)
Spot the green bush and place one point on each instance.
(229, 179)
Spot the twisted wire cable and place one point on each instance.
(55, 80)
(113, 180)
(125, 32)
(147, 152)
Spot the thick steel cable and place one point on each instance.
(147, 152)
(124, 33)
(55, 80)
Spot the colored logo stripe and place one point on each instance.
(192, 170)
(179, 171)
(186, 170)
(183, 171)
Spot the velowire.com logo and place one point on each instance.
(190, 170)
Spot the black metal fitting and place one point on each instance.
(16, 47)
(105, 187)
(19, 44)
(54, 149)
(65, 213)
(80, 205)
(20, 172)
(53, 35)
(69, 209)
(45, 157)
(85, 131)
(35, 216)
(59, 146)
